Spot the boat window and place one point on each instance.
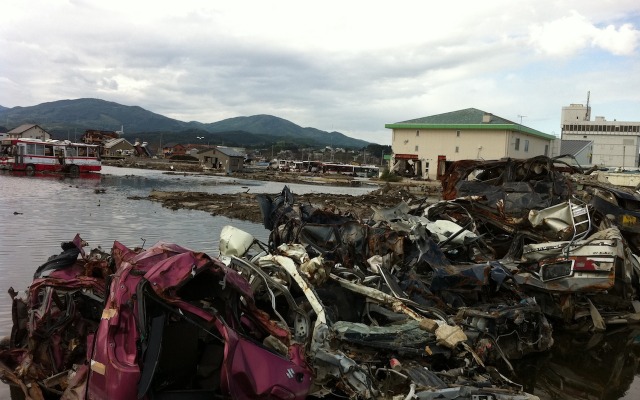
(91, 151)
(48, 150)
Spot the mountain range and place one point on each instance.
(64, 118)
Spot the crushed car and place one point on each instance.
(169, 322)
(163, 322)
(396, 255)
(567, 239)
(364, 341)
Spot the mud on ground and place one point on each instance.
(244, 206)
(174, 167)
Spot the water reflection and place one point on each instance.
(585, 366)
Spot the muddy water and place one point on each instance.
(37, 213)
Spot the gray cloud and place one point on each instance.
(353, 71)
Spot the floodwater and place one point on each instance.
(38, 213)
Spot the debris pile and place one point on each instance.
(418, 301)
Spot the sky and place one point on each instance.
(347, 66)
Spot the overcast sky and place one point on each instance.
(349, 66)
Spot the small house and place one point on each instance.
(29, 131)
(222, 158)
(118, 148)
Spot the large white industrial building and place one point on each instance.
(615, 143)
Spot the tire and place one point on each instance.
(30, 170)
(74, 170)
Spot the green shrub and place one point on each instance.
(389, 176)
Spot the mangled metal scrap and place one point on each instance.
(491, 269)
(510, 185)
(366, 343)
(581, 278)
(393, 261)
(177, 323)
(174, 322)
(54, 318)
(621, 206)
(421, 301)
(502, 194)
(567, 239)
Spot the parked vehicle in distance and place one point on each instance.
(34, 155)
(363, 171)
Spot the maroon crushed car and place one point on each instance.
(168, 323)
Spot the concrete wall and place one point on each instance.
(611, 150)
(575, 113)
(528, 146)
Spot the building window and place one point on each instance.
(546, 149)
(457, 149)
(517, 143)
(416, 148)
(526, 145)
(417, 133)
(458, 133)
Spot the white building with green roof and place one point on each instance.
(424, 146)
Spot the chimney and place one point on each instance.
(486, 118)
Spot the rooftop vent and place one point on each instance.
(486, 118)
